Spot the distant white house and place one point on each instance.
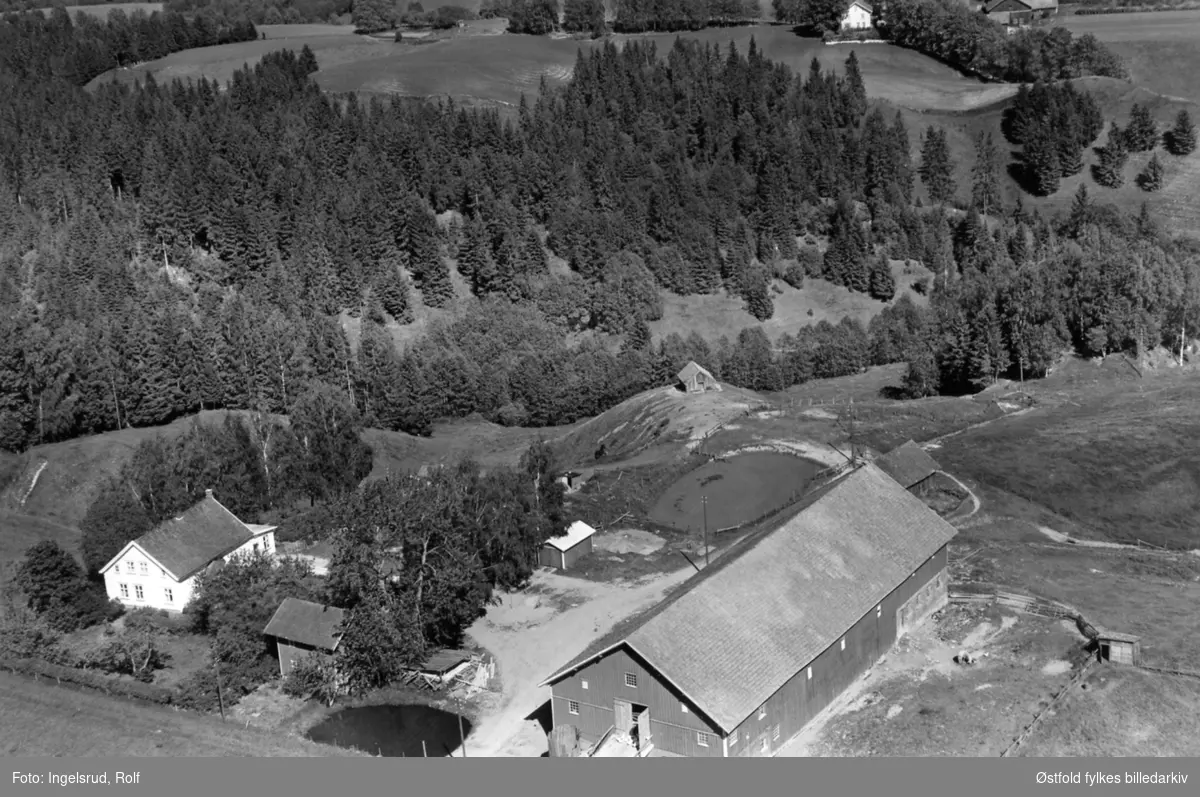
(158, 570)
(858, 16)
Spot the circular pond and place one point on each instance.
(393, 730)
(740, 488)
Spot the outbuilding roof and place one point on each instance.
(577, 532)
(740, 629)
(186, 544)
(308, 623)
(908, 464)
(690, 370)
(1115, 636)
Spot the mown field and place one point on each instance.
(103, 11)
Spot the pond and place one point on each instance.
(393, 731)
(739, 489)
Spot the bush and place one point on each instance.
(90, 679)
(795, 275)
(160, 620)
(313, 677)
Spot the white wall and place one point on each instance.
(263, 542)
(856, 18)
(135, 570)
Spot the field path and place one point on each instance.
(527, 649)
(975, 502)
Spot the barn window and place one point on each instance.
(879, 611)
(573, 706)
(733, 738)
(631, 680)
(702, 739)
(683, 707)
(583, 684)
(766, 745)
(810, 673)
(170, 596)
(124, 590)
(775, 733)
(762, 711)
(144, 568)
(843, 643)
(137, 592)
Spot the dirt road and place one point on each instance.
(532, 633)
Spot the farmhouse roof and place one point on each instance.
(861, 4)
(185, 545)
(908, 464)
(307, 623)
(738, 630)
(690, 370)
(577, 532)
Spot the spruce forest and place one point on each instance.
(171, 248)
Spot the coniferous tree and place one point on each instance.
(882, 283)
(1109, 172)
(985, 175)
(1151, 178)
(1181, 139)
(1042, 167)
(937, 170)
(1141, 135)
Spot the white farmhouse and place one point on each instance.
(158, 570)
(858, 16)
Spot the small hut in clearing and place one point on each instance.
(910, 466)
(563, 552)
(1117, 647)
(302, 629)
(696, 379)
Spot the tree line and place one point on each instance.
(951, 32)
(36, 48)
(267, 12)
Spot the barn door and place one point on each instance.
(643, 726)
(623, 721)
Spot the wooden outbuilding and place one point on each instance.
(1118, 648)
(910, 466)
(750, 649)
(563, 552)
(696, 379)
(302, 629)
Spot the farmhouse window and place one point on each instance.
(843, 643)
(256, 547)
(124, 590)
(144, 568)
(762, 711)
(631, 680)
(170, 596)
(683, 707)
(583, 684)
(810, 673)
(137, 592)
(733, 738)
(129, 567)
(702, 739)
(775, 733)
(573, 706)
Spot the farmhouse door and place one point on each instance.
(624, 716)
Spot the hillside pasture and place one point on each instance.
(1161, 48)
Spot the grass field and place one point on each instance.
(18, 532)
(1119, 460)
(740, 489)
(44, 719)
(1162, 48)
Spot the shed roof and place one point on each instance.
(186, 544)
(690, 370)
(1115, 636)
(908, 464)
(735, 632)
(577, 532)
(443, 661)
(307, 623)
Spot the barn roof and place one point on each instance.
(908, 464)
(690, 370)
(185, 545)
(1115, 636)
(735, 632)
(1032, 5)
(576, 533)
(307, 623)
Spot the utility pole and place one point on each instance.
(704, 502)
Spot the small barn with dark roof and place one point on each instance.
(158, 570)
(746, 652)
(910, 466)
(303, 628)
(1020, 12)
(694, 378)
